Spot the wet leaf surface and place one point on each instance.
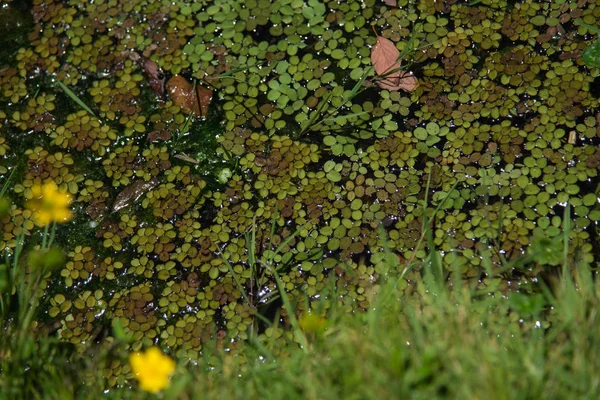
(156, 79)
(385, 59)
(181, 92)
(132, 192)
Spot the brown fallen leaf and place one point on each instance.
(156, 79)
(181, 92)
(385, 58)
(133, 192)
(392, 3)
(157, 135)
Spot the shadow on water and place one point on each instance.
(15, 19)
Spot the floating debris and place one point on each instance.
(385, 57)
(182, 93)
(132, 192)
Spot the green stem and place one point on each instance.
(32, 303)
(424, 226)
(52, 234)
(44, 237)
(588, 27)
(290, 310)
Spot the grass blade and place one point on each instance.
(5, 186)
(74, 97)
(566, 234)
(236, 279)
(586, 26)
(290, 310)
(289, 239)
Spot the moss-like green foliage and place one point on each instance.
(500, 135)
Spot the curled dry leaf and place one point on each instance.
(385, 58)
(181, 92)
(133, 192)
(156, 79)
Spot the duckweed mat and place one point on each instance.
(205, 141)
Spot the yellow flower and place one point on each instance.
(49, 205)
(312, 323)
(152, 369)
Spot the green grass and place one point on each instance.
(463, 340)
(435, 338)
(463, 343)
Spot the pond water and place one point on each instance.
(200, 138)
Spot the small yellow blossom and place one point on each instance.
(312, 323)
(152, 369)
(49, 205)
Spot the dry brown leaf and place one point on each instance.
(392, 3)
(157, 135)
(156, 78)
(181, 92)
(384, 58)
(133, 192)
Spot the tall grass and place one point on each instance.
(461, 343)
(470, 343)
(437, 338)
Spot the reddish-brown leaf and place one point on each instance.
(157, 135)
(392, 3)
(181, 92)
(384, 58)
(155, 77)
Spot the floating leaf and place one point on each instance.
(157, 135)
(182, 93)
(156, 79)
(132, 192)
(385, 57)
(392, 3)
